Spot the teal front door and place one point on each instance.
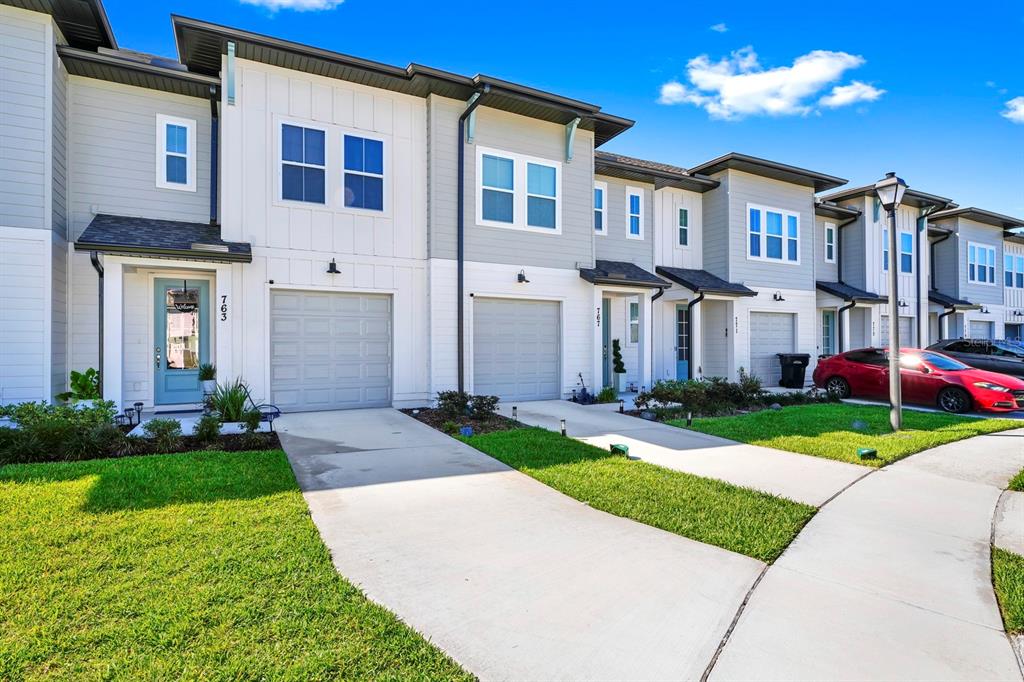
(606, 342)
(682, 342)
(181, 339)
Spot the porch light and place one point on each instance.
(561, 424)
(332, 268)
(984, 310)
(903, 303)
(777, 296)
(890, 191)
(521, 277)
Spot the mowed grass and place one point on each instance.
(836, 431)
(746, 521)
(1017, 482)
(189, 566)
(1008, 579)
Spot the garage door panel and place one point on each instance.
(516, 348)
(770, 333)
(328, 352)
(981, 329)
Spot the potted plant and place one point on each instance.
(85, 388)
(208, 378)
(618, 367)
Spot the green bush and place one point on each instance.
(229, 400)
(84, 386)
(207, 372)
(165, 433)
(251, 420)
(606, 395)
(716, 396)
(453, 403)
(207, 429)
(47, 433)
(108, 439)
(483, 406)
(450, 427)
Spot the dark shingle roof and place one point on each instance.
(639, 163)
(702, 281)
(640, 170)
(950, 302)
(623, 273)
(849, 293)
(160, 238)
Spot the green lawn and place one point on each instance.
(829, 430)
(1008, 575)
(1017, 482)
(191, 566)
(745, 521)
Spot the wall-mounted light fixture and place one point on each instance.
(984, 310)
(903, 303)
(1017, 313)
(777, 296)
(332, 268)
(521, 277)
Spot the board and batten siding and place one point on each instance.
(503, 131)
(667, 250)
(972, 232)
(1013, 297)
(615, 244)
(715, 232)
(112, 153)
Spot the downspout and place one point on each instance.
(944, 316)
(95, 258)
(689, 332)
(461, 230)
(214, 153)
(839, 324)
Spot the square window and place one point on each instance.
(177, 139)
(497, 206)
(540, 180)
(498, 172)
(634, 225)
(314, 147)
(775, 247)
(177, 169)
(540, 212)
(291, 143)
(291, 182)
(755, 245)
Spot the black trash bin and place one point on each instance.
(794, 368)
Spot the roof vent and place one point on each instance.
(222, 248)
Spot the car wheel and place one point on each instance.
(838, 386)
(954, 400)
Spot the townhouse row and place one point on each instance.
(343, 233)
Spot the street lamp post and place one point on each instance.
(890, 191)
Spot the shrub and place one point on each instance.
(84, 386)
(251, 420)
(165, 433)
(207, 429)
(229, 400)
(108, 439)
(207, 372)
(48, 433)
(617, 365)
(484, 406)
(454, 403)
(450, 427)
(606, 395)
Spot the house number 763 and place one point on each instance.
(223, 308)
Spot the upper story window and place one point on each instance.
(885, 249)
(684, 227)
(600, 200)
(634, 213)
(1013, 271)
(981, 264)
(175, 153)
(906, 252)
(303, 164)
(634, 322)
(830, 243)
(364, 173)
(518, 191)
(773, 234)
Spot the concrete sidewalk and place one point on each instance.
(513, 579)
(890, 580)
(811, 480)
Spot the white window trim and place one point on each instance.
(629, 322)
(830, 229)
(1015, 259)
(388, 172)
(631, 191)
(995, 259)
(279, 189)
(910, 253)
(519, 194)
(689, 228)
(162, 122)
(764, 235)
(603, 186)
(886, 256)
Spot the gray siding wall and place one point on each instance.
(113, 153)
(969, 231)
(59, 127)
(615, 244)
(853, 253)
(23, 123)
(824, 271)
(944, 265)
(716, 228)
(745, 189)
(509, 132)
(59, 317)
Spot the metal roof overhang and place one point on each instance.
(84, 23)
(155, 252)
(115, 69)
(981, 216)
(770, 169)
(911, 197)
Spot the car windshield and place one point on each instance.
(945, 363)
(1003, 348)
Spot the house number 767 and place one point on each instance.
(223, 308)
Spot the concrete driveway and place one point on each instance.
(811, 480)
(513, 579)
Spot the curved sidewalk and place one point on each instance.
(890, 580)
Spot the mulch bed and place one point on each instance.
(443, 422)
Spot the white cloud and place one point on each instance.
(844, 95)
(719, 28)
(297, 5)
(1015, 110)
(738, 86)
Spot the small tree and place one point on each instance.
(618, 367)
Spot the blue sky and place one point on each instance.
(930, 95)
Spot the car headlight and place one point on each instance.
(991, 387)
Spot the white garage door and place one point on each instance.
(770, 333)
(329, 351)
(516, 348)
(906, 331)
(981, 329)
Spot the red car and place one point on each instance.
(927, 378)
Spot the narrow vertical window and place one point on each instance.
(684, 227)
(364, 173)
(906, 252)
(303, 164)
(828, 332)
(830, 243)
(774, 236)
(792, 239)
(1019, 272)
(885, 249)
(634, 322)
(541, 196)
(1007, 271)
(635, 209)
(600, 193)
(175, 153)
(755, 233)
(498, 189)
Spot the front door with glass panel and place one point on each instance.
(682, 342)
(606, 342)
(181, 339)
(828, 332)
